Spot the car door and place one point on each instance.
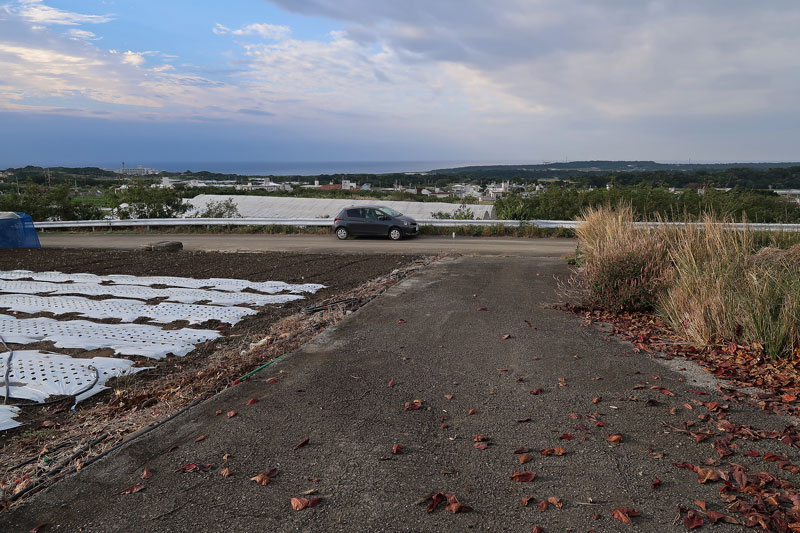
(356, 223)
(373, 225)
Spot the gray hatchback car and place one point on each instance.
(373, 220)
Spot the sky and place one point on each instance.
(91, 81)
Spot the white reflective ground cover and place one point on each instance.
(146, 293)
(39, 375)
(225, 284)
(125, 310)
(124, 339)
(7, 413)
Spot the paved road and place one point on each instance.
(334, 391)
(320, 244)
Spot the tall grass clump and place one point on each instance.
(622, 268)
(711, 282)
(726, 289)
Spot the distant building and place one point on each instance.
(138, 171)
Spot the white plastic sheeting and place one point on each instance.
(39, 375)
(124, 339)
(224, 284)
(277, 207)
(125, 310)
(146, 293)
(7, 414)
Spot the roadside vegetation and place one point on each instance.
(712, 284)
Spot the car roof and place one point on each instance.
(371, 206)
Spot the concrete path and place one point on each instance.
(320, 243)
(428, 337)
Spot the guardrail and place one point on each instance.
(328, 222)
(300, 222)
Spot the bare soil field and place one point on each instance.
(52, 432)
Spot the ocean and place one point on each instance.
(295, 168)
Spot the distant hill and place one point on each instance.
(610, 166)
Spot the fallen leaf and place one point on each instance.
(391, 383)
(656, 483)
(553, 451)
(543, 506)
(133, 489)
(252, 401)
(526, 419)
(751, 453)
(226, 457)
(481, 445)
(414, 406)
(555, 502)
(536, 392)
(597, 400)
(262, 479)
(38, 528)
(704, 475)
(481, 309)
(472, 412)
(146, 474)
(693, 520)
(218, 412)
(48, 424)
(623, 514)
(397, 449)
(506, 337)
(313, 502)
(698, 392)
(231, 414)
(716, 516)
(616, 438)
(298, 504)
(701, 504)
(524, 449)
(537, 529)
(302, 443)
(401, 321)
(524, 458)
(448, 396)
(526, 500)
(566, 436)
(201, 438)
(523, 477)
(225, 472)
(272, 472)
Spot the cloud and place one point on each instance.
(39, 13)
(82, 35)
(272, 32)
(219, 29)
(133, 58)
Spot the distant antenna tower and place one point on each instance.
(49, 177)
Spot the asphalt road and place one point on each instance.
(428, 335)
(319, 243)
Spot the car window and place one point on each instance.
(390, 211)
(370, 214)
(354, 213)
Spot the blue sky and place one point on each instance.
(320, 80)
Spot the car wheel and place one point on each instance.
(395, 234)
(342, 233)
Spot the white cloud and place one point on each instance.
(219, 29)
(39, 13)
(268, 31)
(82, 35)
(133, 58)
